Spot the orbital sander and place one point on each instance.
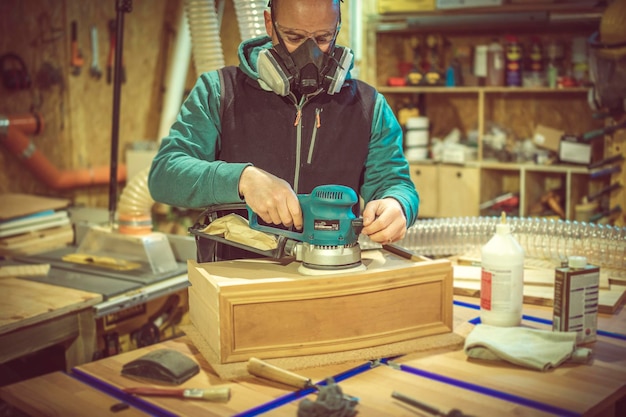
(328, 241)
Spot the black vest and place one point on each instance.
(258, 127)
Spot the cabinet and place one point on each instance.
(447, 190)
(460, 190)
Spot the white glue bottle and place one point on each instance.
(502, 279)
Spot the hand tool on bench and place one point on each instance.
(216, 394)
(606, 190)
(77, 56)
(330, 400)
(427, 408)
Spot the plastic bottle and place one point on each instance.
(502, 279)
(495, 64)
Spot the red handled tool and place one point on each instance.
(77, 56)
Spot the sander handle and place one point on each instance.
(274, 373)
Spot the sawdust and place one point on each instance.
(227, 371)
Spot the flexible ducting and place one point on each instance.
(250, 18)
(176, 76)
(541, 238)
(204, 27)
(135, 205)
(13, 131)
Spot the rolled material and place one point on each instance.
(556, 240)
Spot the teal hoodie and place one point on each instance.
(185, 172)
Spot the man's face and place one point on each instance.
(298, 20)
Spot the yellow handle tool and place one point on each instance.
(274, 373)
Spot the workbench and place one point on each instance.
(35, 315)
(443, 378)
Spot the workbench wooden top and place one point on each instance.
(444, 379)
(482, 388)
(24, 302)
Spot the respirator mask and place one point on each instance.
(306, 70)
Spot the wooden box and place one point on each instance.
(266, 309)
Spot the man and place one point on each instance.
(287, 119)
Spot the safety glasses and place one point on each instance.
(296, 37)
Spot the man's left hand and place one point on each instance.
(384, 221)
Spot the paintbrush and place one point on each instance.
(216, 394)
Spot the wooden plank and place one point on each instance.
(25, 302)
(586, 389)
(58, 394)
(33, 338)
(374, 389)
(18, 204)
(244, 395)
(541, 277)
(609, 300)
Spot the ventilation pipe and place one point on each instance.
(13, 131)
(176, 77)
(135, 206)
(250, 18)
(205, 35)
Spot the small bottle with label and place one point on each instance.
(576, 292)
(502, 279)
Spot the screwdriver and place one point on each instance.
(425, 407)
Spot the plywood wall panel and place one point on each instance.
(78, 111)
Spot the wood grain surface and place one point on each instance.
(58, 394)
(24, 302)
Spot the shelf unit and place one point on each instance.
(458, 190)
(484, 108)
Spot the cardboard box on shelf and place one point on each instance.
(405, 6)
(461, 4)
(547, 137)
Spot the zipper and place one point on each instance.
(317, 125)
(298, 124)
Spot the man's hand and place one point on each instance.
(384, 221)
(270, 197)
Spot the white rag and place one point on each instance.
(532, 348)
(237, 229)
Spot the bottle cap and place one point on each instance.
(503, 227)
(577, 261)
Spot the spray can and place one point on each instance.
(513, 61)
(495, 64)
(576, 292)
(502, 279)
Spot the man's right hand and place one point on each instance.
(270, 197)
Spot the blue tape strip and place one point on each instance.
(476, 320)
(491, 392)
(285, 399)
(464, 304)
(113, 391)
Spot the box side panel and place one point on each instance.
(203, 306)
(381, 311)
